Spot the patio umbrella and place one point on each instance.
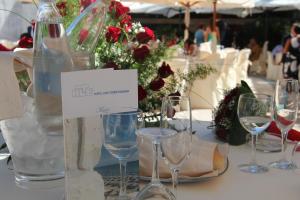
(191, 4)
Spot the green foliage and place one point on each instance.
(72, 11)
(201, 71)
(23, 80)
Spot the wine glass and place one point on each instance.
(176, 115)
(285, 114)
(155, 190)
(255, 115)
(120, 140)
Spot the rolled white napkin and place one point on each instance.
(205, 159)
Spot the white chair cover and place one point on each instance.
(204, 50)
(204, 93)
(242, 65)
(228, 73)
(274, 70)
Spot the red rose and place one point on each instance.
(140, 54)
(125, 21)
(144, 37)
(111, 64)
(84, 33)
(25, 42)
(157, 84)
(165, 70)
(142, 93)
(62, 8)
(113, 34)
(118, 9)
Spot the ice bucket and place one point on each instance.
(38, 157)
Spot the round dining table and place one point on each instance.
(232, 185)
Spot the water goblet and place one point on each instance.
(285, 110)
(254, 113)
(155, 190)
(120, 140)
(176, 115)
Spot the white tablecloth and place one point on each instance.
(233, 185)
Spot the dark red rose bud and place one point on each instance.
(165, 70)
(142, 93)
(111, 64)
(140, 54)
(157, 84)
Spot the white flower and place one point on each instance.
(137, 28)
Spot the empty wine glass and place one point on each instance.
(254, 113)
(155, 190)
(285, 115)
(176, 115)
(120, 140)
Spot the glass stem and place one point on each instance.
(155, 170)
(123, 184)
(174, 172)
(253, 149)
(284, 135)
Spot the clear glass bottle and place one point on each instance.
(51, 57)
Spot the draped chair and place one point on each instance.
(242, 65)
(228, 73)
(274, 70)
(204, 93)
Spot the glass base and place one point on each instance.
(253, 168)
(155, 191)
(283, 164)
(39, 182)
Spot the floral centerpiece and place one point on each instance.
(228, 127)
(126, 44)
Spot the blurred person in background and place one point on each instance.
(291, 53)
(199, 35)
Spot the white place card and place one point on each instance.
(92, 92)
